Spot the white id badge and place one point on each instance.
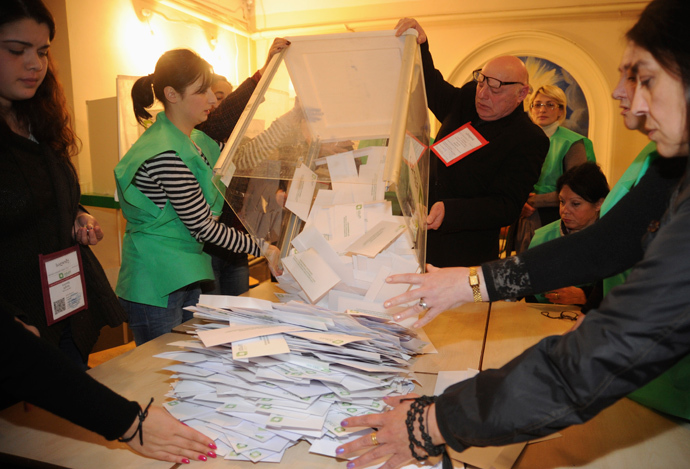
(457, 145)
(62, 281)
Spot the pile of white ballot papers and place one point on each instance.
(351, 241)
(258, 376)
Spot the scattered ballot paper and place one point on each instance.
(377, 238)
(301, 192)
(312, 273)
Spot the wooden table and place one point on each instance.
(625, 435)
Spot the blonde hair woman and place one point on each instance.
(568, 149)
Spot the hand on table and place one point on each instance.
(391, 435)
(441, 289)
(168, 439)
(567, 296)
(87, 231)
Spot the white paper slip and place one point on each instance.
(377, 238)
(329, 338)
(259, 346)
(311, 238)
(347, 221)
(301, 192)
(312, 273)
(229, 302)
(185, 411)
(230, 334)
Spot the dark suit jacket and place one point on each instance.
(485, 190)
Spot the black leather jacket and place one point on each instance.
(641, 328)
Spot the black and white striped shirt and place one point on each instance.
(165, 178)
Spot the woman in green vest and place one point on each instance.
(567, 150)
(171, 206)
(581, 191)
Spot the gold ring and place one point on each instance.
(374, 440)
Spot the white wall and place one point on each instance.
(108, 38)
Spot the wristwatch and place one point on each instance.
(474, 283)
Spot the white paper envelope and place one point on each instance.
(312, 273)
(259, 346)
(377, 238)
(229, 302)
(301, 192)
(230, 334)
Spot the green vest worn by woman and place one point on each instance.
(628, 180)
(552, 169)
(159, 255)
(670, 392)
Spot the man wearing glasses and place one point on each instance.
(487, 156)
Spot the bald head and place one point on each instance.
(494, 103)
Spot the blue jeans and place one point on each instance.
(148, 322)
(231, 278)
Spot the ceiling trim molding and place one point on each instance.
(626, 9)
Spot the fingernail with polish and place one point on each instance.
(350, 465)
(212, 446)
(211, 454)
(185, 461)
(343, 423)
(202, 458)
(397, 317)
(340, 450)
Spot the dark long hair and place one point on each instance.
(46, 113)
(663, 31)
(178, 68)
(586, 180)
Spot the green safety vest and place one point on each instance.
(628, 180)
(552, 169)
(159, 254)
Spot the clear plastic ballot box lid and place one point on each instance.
(335, 141)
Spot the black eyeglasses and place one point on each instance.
(551, 106)
(494, 83)
(569, 315)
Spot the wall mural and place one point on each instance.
(544, 72)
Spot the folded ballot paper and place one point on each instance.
(351, 241)
(257, 377)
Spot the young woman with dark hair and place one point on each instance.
(171, 206)
(39, 201)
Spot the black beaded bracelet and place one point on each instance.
(142, 416)
(416, 412)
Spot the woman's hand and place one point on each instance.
(168, 439)
(441, 289)
(391, 435)
(272, 255)
(87, 231)
(567, 296)
(278, 45)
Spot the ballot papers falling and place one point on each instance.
(351, 241)
(257, 377)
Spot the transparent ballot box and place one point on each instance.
(329, 163)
